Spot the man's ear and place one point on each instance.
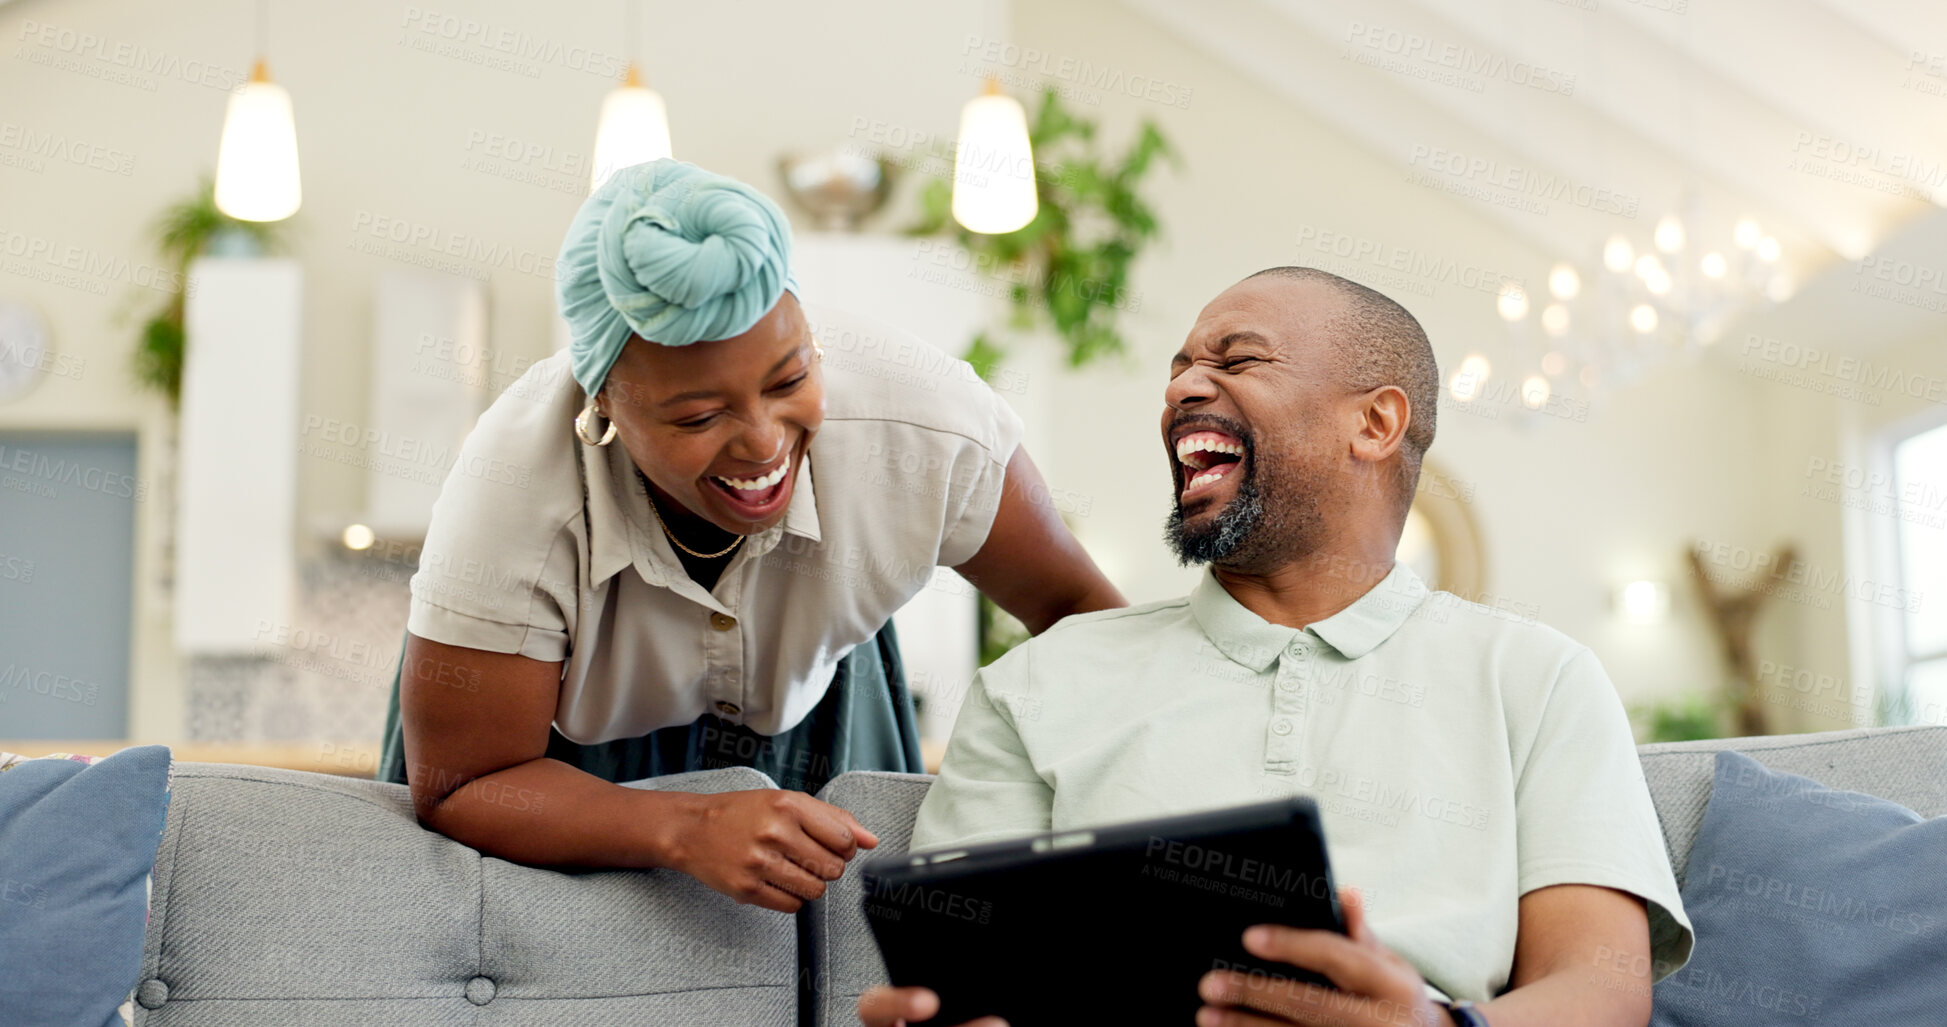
(1384, 413)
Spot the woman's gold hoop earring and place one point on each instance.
(582, 420)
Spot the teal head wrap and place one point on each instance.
(670, 252)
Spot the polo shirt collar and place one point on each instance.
(1372, 618)
(1238, 633)
(1358, 629)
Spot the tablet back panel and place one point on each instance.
(1113, 924)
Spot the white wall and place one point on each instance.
(387, 130)
(1568, 509)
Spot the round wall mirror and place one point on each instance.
(1441, 541)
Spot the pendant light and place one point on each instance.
(256, 162)
(634, 126)
(993, 165)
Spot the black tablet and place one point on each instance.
(1114, 924)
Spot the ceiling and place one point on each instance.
(1824, 120)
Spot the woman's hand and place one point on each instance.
(767, 847)
(896, 1007)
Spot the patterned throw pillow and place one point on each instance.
(8, 761)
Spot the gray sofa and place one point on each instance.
(290, 898)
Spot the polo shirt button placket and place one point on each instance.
(1295, 669)
(1287, 705)
(1301, 664)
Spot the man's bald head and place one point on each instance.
(1379, 343)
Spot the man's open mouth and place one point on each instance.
(1207, 457)
(757, 496)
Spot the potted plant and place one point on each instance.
(1069, 267)
(187, 229)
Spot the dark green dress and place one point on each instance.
(864, 722)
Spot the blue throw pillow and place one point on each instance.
(77, 842)
(1810, 904)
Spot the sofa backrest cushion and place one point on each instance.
(1907, 765)
(287, 897)
(840, 955)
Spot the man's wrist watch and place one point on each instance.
(1464, 1014)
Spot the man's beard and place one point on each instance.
(1259, 528)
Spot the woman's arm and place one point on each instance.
(1031, 565)
(476, 734)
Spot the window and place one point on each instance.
(1919, 665)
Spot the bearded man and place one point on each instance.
(1474, 772)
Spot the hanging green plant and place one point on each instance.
(186, 230)
(1069, 267)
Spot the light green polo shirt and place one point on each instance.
(1461, 756)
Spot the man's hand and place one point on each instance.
(768, 847)
(1375, 985)
(896, 1007)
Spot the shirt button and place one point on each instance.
(728, 709)
(722, 621)
(1281, 727)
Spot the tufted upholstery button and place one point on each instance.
(480, 990)
(152, 994)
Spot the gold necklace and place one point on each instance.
(657, 514)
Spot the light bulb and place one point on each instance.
(1643, 602)
(1617, 254)
(993, 167)
(1713, 265)
(1669, 234)
(1643, 318)
(256, 162)
(634, 129)
(1553, 363)
(1563, 282)
(1647, 266)
(1768, 249)
(1746, 234)
(1513, 302)
(1590, 377)
(1657, 281)
(1779, 290)
(358, 536)
(1554, 321)
(1534, 391)
(1467, 381)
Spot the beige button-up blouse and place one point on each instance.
(545, 546)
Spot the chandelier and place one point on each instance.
(1604, 325)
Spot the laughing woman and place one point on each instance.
(677, 546)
